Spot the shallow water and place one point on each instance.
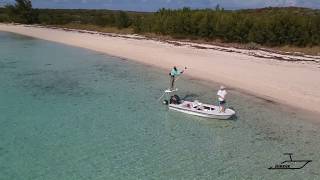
(70, 113)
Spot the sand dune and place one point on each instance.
(292, 80)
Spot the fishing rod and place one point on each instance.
(161, 96)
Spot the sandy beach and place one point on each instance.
(290, 80)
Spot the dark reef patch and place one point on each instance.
(66, 83)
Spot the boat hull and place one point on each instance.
(206, 110)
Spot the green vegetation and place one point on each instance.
(297, 27)
(4, 17)
(22, 12)
(272, 26)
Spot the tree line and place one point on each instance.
(268, 26)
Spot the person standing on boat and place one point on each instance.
(222, 93)
(173, 74)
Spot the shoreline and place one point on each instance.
(290, 80)
(260, 52)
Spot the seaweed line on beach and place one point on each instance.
(260, 53)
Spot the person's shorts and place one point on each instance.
(222, 102)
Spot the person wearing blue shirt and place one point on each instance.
(173, 74)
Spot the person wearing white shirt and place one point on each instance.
(222, 93)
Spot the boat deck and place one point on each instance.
(203, 110)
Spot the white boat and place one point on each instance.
(202, 110)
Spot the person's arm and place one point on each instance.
(183, 70)
(220, 95)
(224, 94)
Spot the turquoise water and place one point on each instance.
(70, 113)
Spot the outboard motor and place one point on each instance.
(175, 99)
(178, 99)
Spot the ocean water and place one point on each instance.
(71, 113)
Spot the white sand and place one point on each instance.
(295, 84)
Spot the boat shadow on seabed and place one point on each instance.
(291, 164)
